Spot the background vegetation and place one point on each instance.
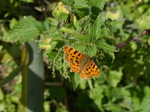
(34, 73)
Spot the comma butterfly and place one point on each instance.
(80, 63)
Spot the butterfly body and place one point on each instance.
(80, 63)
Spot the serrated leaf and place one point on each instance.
(98, 3)
(83, 38)
(80, 47)
(81, 8)
(96, 28)
(80, 4)
(25, 30)
(91, 51)
(41, 26)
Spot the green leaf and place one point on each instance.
(27, 29)
(143, 22)
(80, 47)
(45, 25)
(91, 51)
(82, 84)
(126, 10)
(75, 23)
(28, 1)
(83, 38)
(61, 109)
(80, 4)
(114, 77)
(116, 94)
(112, 25)
(112, 55)
(60, 12)
(63, 16)
(1, 95)
(96, 94)
(67, 2)
(76, 79)
(81, 8)
(128, 99)
(96, 28)
(146, 101)
(41, 26)
(53, 44)
(100, 4)
(113, 108)
(52, 55)
(53, 21)
(107, 48)
(2, 107)
(97, 3)
(13, 22)
(67, 30)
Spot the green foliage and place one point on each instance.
(142, 24)
(27, 29)
(115, 34)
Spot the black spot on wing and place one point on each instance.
(75, 52)
(70, 49)
(77, 61)
(93, 66)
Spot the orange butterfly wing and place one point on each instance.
(74, 58)
(90, 71)
(79, 63)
